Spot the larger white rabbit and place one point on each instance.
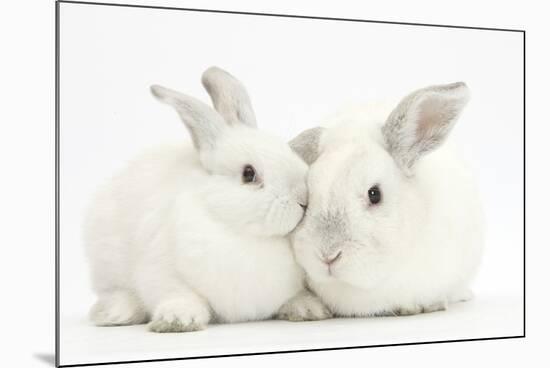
(394, 222)
(186, 235)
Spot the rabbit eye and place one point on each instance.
(375, 196)
(249, 174)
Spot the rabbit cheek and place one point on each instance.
(283, 216)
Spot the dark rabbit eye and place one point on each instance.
(375, 196)
(249, 174)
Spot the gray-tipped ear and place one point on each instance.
(204, 124)
(422, 121)
(307, 143)
(229, 97)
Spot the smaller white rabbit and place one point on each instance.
(188, 235)
(394, 222)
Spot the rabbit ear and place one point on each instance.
(204, 124)
(229, 97)
(422, 121)
(306, 144)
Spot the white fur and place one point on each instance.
(178, 239)
(417, 250)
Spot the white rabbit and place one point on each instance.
(184, 236)
(394, 224)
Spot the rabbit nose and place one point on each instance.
(329, 260)
(304, 206)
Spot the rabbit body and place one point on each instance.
(151, 227)
(394, 224)
(189, 234)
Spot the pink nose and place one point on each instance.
(331, 259)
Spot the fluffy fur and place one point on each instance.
(416, 250)
(178, 239)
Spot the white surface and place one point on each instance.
(26, 149)
(110, 56)
(479, 318)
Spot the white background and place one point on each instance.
(28, 155)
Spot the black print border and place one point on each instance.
(57, 183)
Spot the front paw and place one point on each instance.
(179, 315)
(417, 309)
(303, 307)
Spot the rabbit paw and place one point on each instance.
(435, 307)
(417, 309)
(408, 311)
(303, 307)
(117, 309)
(179, 315)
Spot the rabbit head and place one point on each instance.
(364, 197)
(257, 184)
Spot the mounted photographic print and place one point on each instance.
(235, 183)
